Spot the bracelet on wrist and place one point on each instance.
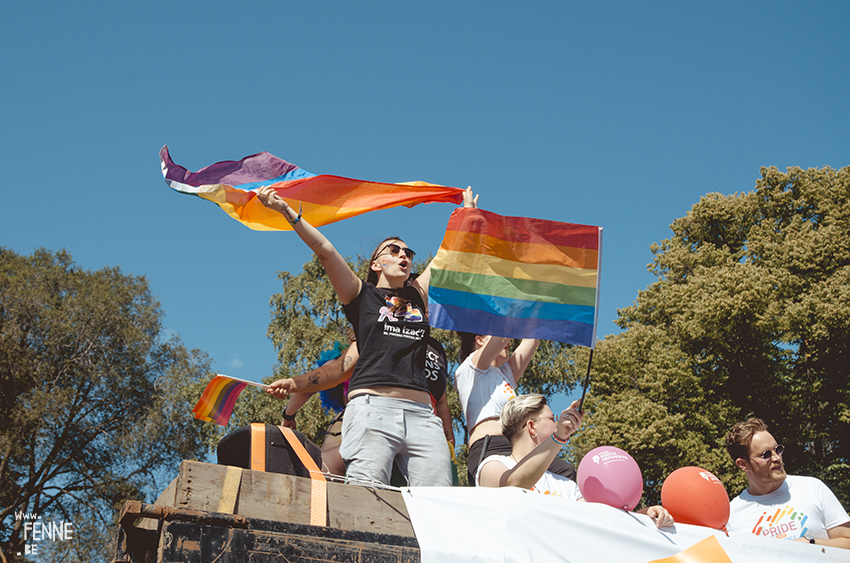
(295, 221)
(289, 417)
(558, 440)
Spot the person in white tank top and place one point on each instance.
(486, 380)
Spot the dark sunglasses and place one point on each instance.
(779, 449)
(395, 249)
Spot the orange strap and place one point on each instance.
(258, 446)
(318, 484)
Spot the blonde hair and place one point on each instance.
(518, 411)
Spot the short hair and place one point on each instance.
(741, 435)
(518, 411)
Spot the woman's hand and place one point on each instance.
(468, 199)
(568, 422)
(660, 516)
(268, 197)
(281, 388)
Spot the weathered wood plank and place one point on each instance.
(286, 498)
(264, 542)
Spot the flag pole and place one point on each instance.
(586, 382)
(254, 383)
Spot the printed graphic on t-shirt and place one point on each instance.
(393, 313)
(536, 490)
(400, 310)
(783, 523)
(433, 365)
(506, 390)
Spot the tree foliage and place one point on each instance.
(749, 316)
(93, 400)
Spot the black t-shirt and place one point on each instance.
(392, 345)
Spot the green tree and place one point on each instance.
(750, 316)
(307, 318)
(93, 401)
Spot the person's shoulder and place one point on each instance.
(465, 365)
(803, 480)
(467, 369)
(506, 461)
(503, 459)
(364, 287)
(811, 485)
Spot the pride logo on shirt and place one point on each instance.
(784, 523)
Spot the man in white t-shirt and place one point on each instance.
(778, 505)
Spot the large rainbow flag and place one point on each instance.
(219, 397)
(517, 277)
(324, 199)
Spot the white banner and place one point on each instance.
(475, 524)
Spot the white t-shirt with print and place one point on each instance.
(801, 506)
(483, 392)
(548, 484)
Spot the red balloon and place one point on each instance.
(609, 475)
(693, 495)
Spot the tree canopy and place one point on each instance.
(749, 316)
(93, 400)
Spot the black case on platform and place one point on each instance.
(235, 449)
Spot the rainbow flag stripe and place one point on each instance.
(323, 199)
(219, 397)
(517, 277)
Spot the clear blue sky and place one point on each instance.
(606, 113)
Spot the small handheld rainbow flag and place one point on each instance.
(323, 199)
(516, 277)
(216, 403)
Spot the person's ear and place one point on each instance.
(532, 431)
(479, 340)
(375, 267)
(742, 464)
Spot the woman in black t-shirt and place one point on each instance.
(389, 414)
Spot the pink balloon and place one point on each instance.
(693, 495)
(610, 476)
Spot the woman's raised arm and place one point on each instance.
(522, 356)
(345, 282)
(423, 281)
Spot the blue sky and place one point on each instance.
(606, 113)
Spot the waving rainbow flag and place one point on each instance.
(323, 199)
(516, 277)
(216, 403)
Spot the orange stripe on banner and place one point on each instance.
(258, 446)
(528, 252)
(318, 484)
(708, 550)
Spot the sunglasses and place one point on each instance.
(766, 455)
(553, 418)
(395, 249)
